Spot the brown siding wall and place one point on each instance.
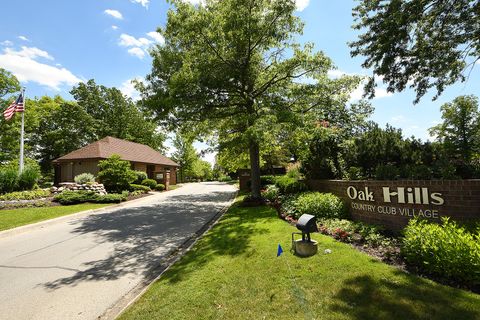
(140, 166)
(85, 166)
(173, 176)
(71, 169)
(461, 200)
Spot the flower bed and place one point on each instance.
(420, 251)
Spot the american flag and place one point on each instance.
(16, 106)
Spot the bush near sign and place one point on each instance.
(393, 203)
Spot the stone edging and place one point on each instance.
(155, 274)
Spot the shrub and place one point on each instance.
(386, 172)
(270, 193)
(25, 195)
(321, 205)
(445, 250)
(149, 183)
(74, 197)
(266, 180)
(139, 187)
(140, 177)
(115, 174)
(110, 198)
(84, 178)
(287, 185)
(288, 206)
(8, 180)
(225, 179)
(29, 177)
(160, 187)
(136, 193)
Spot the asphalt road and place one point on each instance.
(78, 268)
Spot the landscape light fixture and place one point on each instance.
(305, 247)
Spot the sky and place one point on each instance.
(51, 45)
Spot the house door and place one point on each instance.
(150, 170)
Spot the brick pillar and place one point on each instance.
(167, 180)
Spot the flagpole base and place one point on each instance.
(305, 248)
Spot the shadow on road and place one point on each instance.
(142, 236)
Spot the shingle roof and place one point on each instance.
(127, 150)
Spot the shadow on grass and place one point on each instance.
(230, 237)
(364, 297)
(137, 240)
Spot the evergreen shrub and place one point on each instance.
(139, 187)
(149, 183)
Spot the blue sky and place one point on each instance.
(50, 45)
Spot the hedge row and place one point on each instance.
(75, 197)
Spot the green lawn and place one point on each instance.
(233, 273)
(19, 217)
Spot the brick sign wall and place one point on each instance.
(393, 203)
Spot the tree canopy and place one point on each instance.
(420, 44)
(459, 132)
(233, 67)
(116, 115)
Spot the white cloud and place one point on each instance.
(195, 1)
(144, 3)
(114, 13)
(138, 46)
(29, 52)
(127, 40)
(397, 120)
(25, 68)
(137, 52)
(335, 73)
(6, 43)
(379, 93)
(129, 90)
(23, 38)
(156, 36)
(302, 4)
(357, 94)
(114, 27)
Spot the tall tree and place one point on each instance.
(8, 137)
(460, 130)
(421, 44)
(65, 128)
(116, 115)
(234, 65)
(185, 154)
(8, 83)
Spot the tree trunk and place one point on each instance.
(255, 169)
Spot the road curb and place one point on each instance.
(171, 258)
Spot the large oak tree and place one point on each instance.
(234, 67)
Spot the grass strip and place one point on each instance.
(23, 216)
(233, 273)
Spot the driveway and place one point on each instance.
(80, 267)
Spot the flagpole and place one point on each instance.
(21, 132)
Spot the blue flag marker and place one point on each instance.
(279, 250)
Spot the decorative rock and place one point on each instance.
(95, 187)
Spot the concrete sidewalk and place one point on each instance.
(80, 267)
